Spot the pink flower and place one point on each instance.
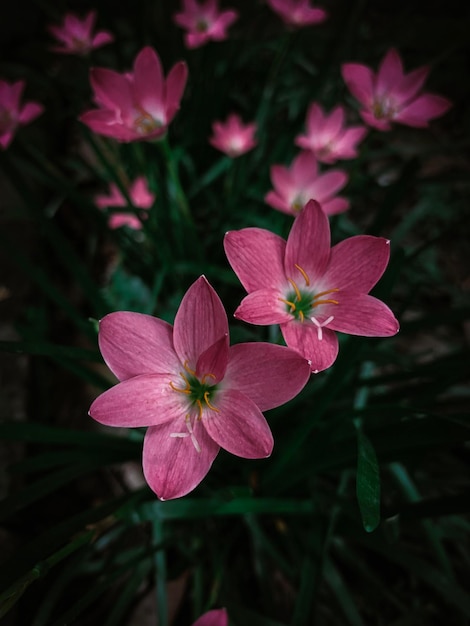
(204, 22)
(137, 106)
(234, 138)
(295, 186)
(76, 35)
(217, 617)
(298, 12)
(308, 288)
(392, 95)
(139, 193)
(327, 137)
(194, 392)
(12, 112)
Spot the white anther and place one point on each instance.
(190, 433)
(321, 325)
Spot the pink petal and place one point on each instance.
(390, 73)
(335, 206)
(267, 373)
(361, 314)
(278, 202)
(334, 122)
(326, 185)
(410, 85)
(357, 263)
(423, 109)
(89, 22)
(263, 307)
(360, 82)
(346, 145)
(218, 32)
(6, 139)
(217, 617)
(101, 39)
(111, 89)
(256, 256)
(238, 426)
(30, 111)
(315, 118)
(371, 120)
(282, 180)
(172, 465)
(140, 194)
(175, 84)
(199, 322)
(213, 362)
(104, 122)
(304, 169)
(145, 400)
(149, 81)
(308, 244)
(134, 343)
(303, 337)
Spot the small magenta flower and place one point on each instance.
(137, 106)
(12, 113)
(141, 196)
(194, 392)
(233, 137)
(298, 13)
(204, 22)
(217, 617)
(295, 186)
(76, 35)
(391, 95)
(327, 137)
(308, 288)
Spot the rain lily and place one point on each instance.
(204, 22)
(327, 137)
(139, 193)
(137, 106)
(76, 35)
(12, 112)
(217, 617)
(233, 137)
(194, 392)
(308, 288)
(295, 186)
(391, 95)
(298, 13)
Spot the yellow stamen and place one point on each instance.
(296, 289)
(188, 369)
(199, 404)
(203, 379)
(323, 293)
(314, 304)
(178, 389)
(289, 303)
(206, 400)
(301, 315)
(304, 274)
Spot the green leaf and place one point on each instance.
(367, 483)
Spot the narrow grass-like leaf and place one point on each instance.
(367, 483)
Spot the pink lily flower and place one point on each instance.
(137, 106)
(204, 22)
(141, 197)
(194, 392)
(298, 13)
(12, 112)
(391, 95)
(233, 137)
(327, 137)
(217, 617)
(76, 35)
(308, 288)
(295, 186)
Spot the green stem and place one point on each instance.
(176, 188)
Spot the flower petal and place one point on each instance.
(425, 108)
(308, 244)
(364, 315)
(360, 82)
(217, 617)
(256, 256)
(134, 343)
(263, 307)
(172, 465)
(390, 73)
(304, 338)
(149, 81)
(335, 205)
(145, 400)
(30, 111)
(174, 88)
(238, 426)
(199, 322)
(112, 89)
(267, 373)
(326, 185)
(213, 361)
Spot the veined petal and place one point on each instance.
(308, 244)
(361, 314)
(173, 466)
(357, 263)
(199, 322)
(267, 373)
(263, 307)
(425, 108)
(134, 343)
(214, 360)
(360, 82)
(305, 339)
(238, 426)
(257, 257)
(145, 400)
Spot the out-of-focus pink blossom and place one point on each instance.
(233, 136)
(136, 106)
(12, 112)
(294, 186)
(204, 22)
(327, 137)
(76, 36)
(217, 617)
(141, 197)
(391, 95)
(195, 393)
(309, 288)
(298, 13)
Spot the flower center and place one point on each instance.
(202, 25)
(384, 108)
(145, 124)
(298, 203)
(301, 302)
